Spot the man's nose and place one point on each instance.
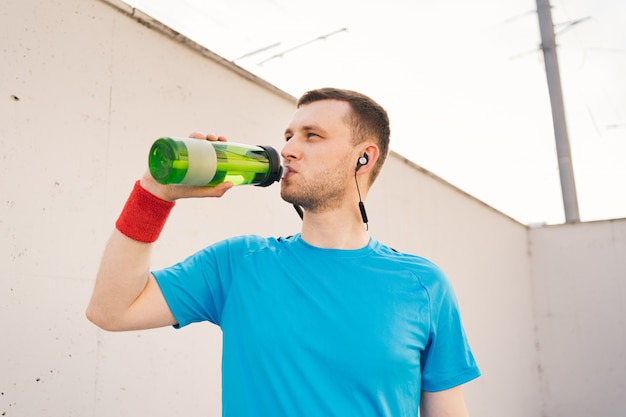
(291, 150)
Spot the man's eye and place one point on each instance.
(311, 134)
(287, 138)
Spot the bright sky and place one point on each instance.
(463, 82)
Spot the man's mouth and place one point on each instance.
(288, 171)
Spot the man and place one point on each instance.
(328, 322)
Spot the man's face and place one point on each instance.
(319, 157)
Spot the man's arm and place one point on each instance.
(126, 296)
(447, 403)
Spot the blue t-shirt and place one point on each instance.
(322, 332)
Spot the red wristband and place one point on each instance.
(143, 216)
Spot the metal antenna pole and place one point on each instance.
(566, 171)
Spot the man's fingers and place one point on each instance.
(197, 135)
(210, 136)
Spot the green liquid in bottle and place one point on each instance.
(240, 165)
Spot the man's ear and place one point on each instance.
(367, 159)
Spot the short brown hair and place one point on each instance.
(369, 119)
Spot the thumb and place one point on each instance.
(220, 189)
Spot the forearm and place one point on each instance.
(121, 278)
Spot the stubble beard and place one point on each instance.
(324, 194)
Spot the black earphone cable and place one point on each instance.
(361, 205)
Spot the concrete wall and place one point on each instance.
(579, 278)
(85, 89)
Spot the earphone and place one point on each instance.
(359, 163)
(362, 161)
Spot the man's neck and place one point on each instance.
(335, 230)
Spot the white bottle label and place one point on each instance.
(202, 162)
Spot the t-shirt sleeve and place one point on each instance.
(447, 361)
(196, 288)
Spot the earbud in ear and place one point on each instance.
(362, 161)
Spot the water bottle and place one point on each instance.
(189, 161)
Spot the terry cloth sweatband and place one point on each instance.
(143, 215)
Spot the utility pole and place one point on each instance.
(566, 170)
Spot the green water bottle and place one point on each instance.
(189, 161)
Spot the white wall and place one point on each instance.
(579, 277)
(85, 90)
